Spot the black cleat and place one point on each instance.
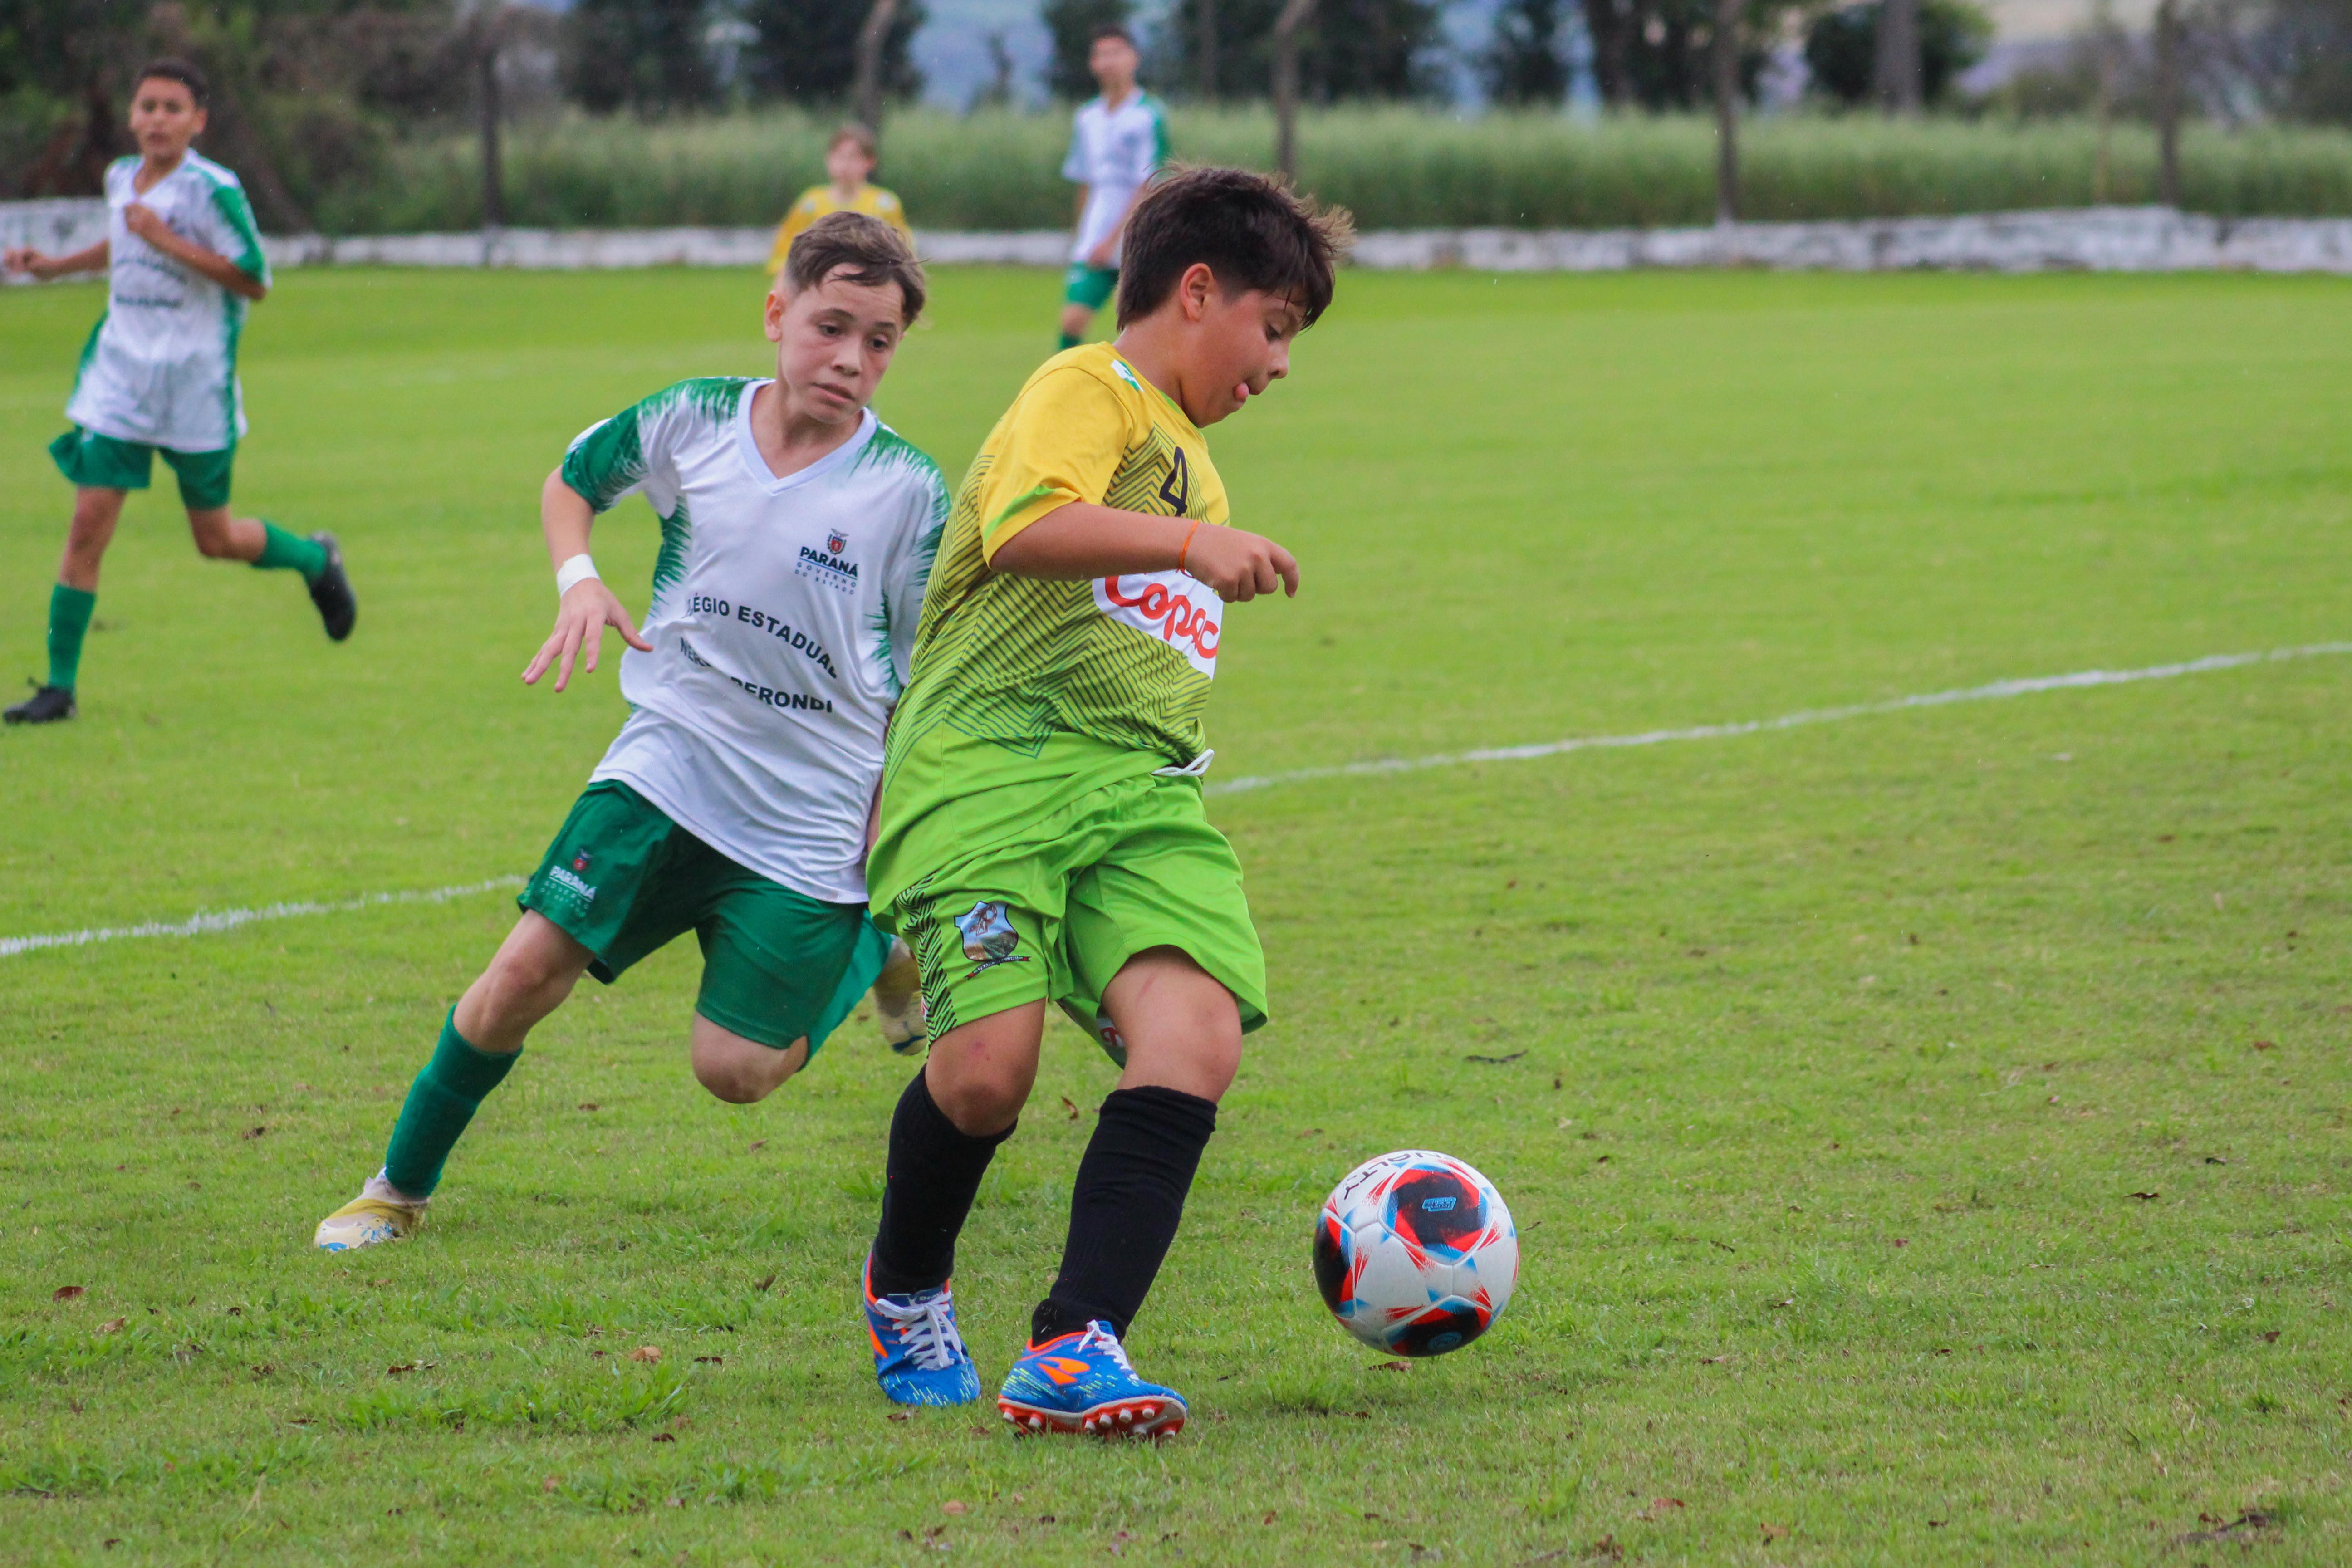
(332, 592)
(47, 705)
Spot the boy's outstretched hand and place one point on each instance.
(580, 621)
(1240, 565)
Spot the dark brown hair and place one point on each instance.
(1112, 30)
(1253, 232)
(169, 69)
(864, 250)
(851, 131)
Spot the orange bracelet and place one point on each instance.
(1187, 549)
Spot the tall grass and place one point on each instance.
(1397, 168)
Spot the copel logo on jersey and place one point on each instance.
(1174, 606)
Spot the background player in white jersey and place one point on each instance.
(797, 537)
(160, 372)
(1118, 142)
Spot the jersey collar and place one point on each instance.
(748, 448)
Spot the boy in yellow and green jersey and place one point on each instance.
(849, 159)
(1041, 836)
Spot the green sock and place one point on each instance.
(441, 1102)
(1068, 342)
(281, 552)
(69, 611)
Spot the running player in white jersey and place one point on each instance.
(1118, 142)
(797, 533)
(159, 373)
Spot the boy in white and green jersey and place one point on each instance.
(797, 533)
(1041, 837)
(159, 373)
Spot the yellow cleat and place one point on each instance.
(898, 1002)
(365, 1222)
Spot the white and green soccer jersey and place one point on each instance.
(1114, 153)
(161, 365)
(782, 621)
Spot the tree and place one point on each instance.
(1523, 63)
(641, 55)
(1072, 24)
(1842, 49)
(806, 50)
(1895, 67)
(1349, 49)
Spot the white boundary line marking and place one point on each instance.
(230, 919)
(1998, 688)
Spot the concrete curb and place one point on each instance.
(2092, 239)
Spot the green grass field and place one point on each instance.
(1927, 1132)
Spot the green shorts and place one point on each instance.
(102, 463)
(623, 879)
(1088, 286)
(1054, 909)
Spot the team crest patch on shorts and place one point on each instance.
(988, 935)
(579, 861)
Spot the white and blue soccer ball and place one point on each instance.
(1415, 1253)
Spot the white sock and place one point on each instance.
(381, 1189)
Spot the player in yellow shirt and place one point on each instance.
(849, 158)
(1040, 836)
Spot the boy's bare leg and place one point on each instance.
(742, 1071)
(222, 537)
(96, 514)
(1182, 1028)
(980, 1074)
(535, 969)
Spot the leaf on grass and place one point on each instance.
(1495, 1061)
(1785, 1301)
(757, 1147)
(1666, 1502)
(399, 1367)
(1776, 1532)
(1715, 1359)
(114, 1326)
(588, 1105)
(647, 1353)
(2265, 1045)
(900, 1416)
(2215, 1159)
(1901, 1241)
(1072, 1109)
(68, 1292)
(664, 1436)
(548, 1484)
(2270, 1337)
(1392, 1366)
(1938, 1524)
(952, 1506)
(710, 1360)
(2146, 1197)
(253, 1132)
(1270, 1516)
(764, 1284)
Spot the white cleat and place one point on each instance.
(366, 1222)
(898, 1002)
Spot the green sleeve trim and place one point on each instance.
(1036, 494)
(237, 212)
(607, 462)
(1159, 135)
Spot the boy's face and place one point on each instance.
(1238, 344)
(164, 117)
(833, 342)
(845, 164)
(1113, 62)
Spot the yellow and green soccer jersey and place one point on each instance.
(1123, 661)
(818, 201)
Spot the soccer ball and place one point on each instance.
(1415, 1253)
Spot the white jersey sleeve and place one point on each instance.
(1078, 168)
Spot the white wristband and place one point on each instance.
(573, 572)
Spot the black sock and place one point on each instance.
(1124, 1207)
(934, 1172)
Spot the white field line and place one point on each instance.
(1998, 688)
(229, 919)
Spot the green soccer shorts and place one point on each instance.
(623, 879)
(1054, 910)
(1089, 286)
(102, 463)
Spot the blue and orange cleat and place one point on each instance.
(919, 1356)
(1081, 1382)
